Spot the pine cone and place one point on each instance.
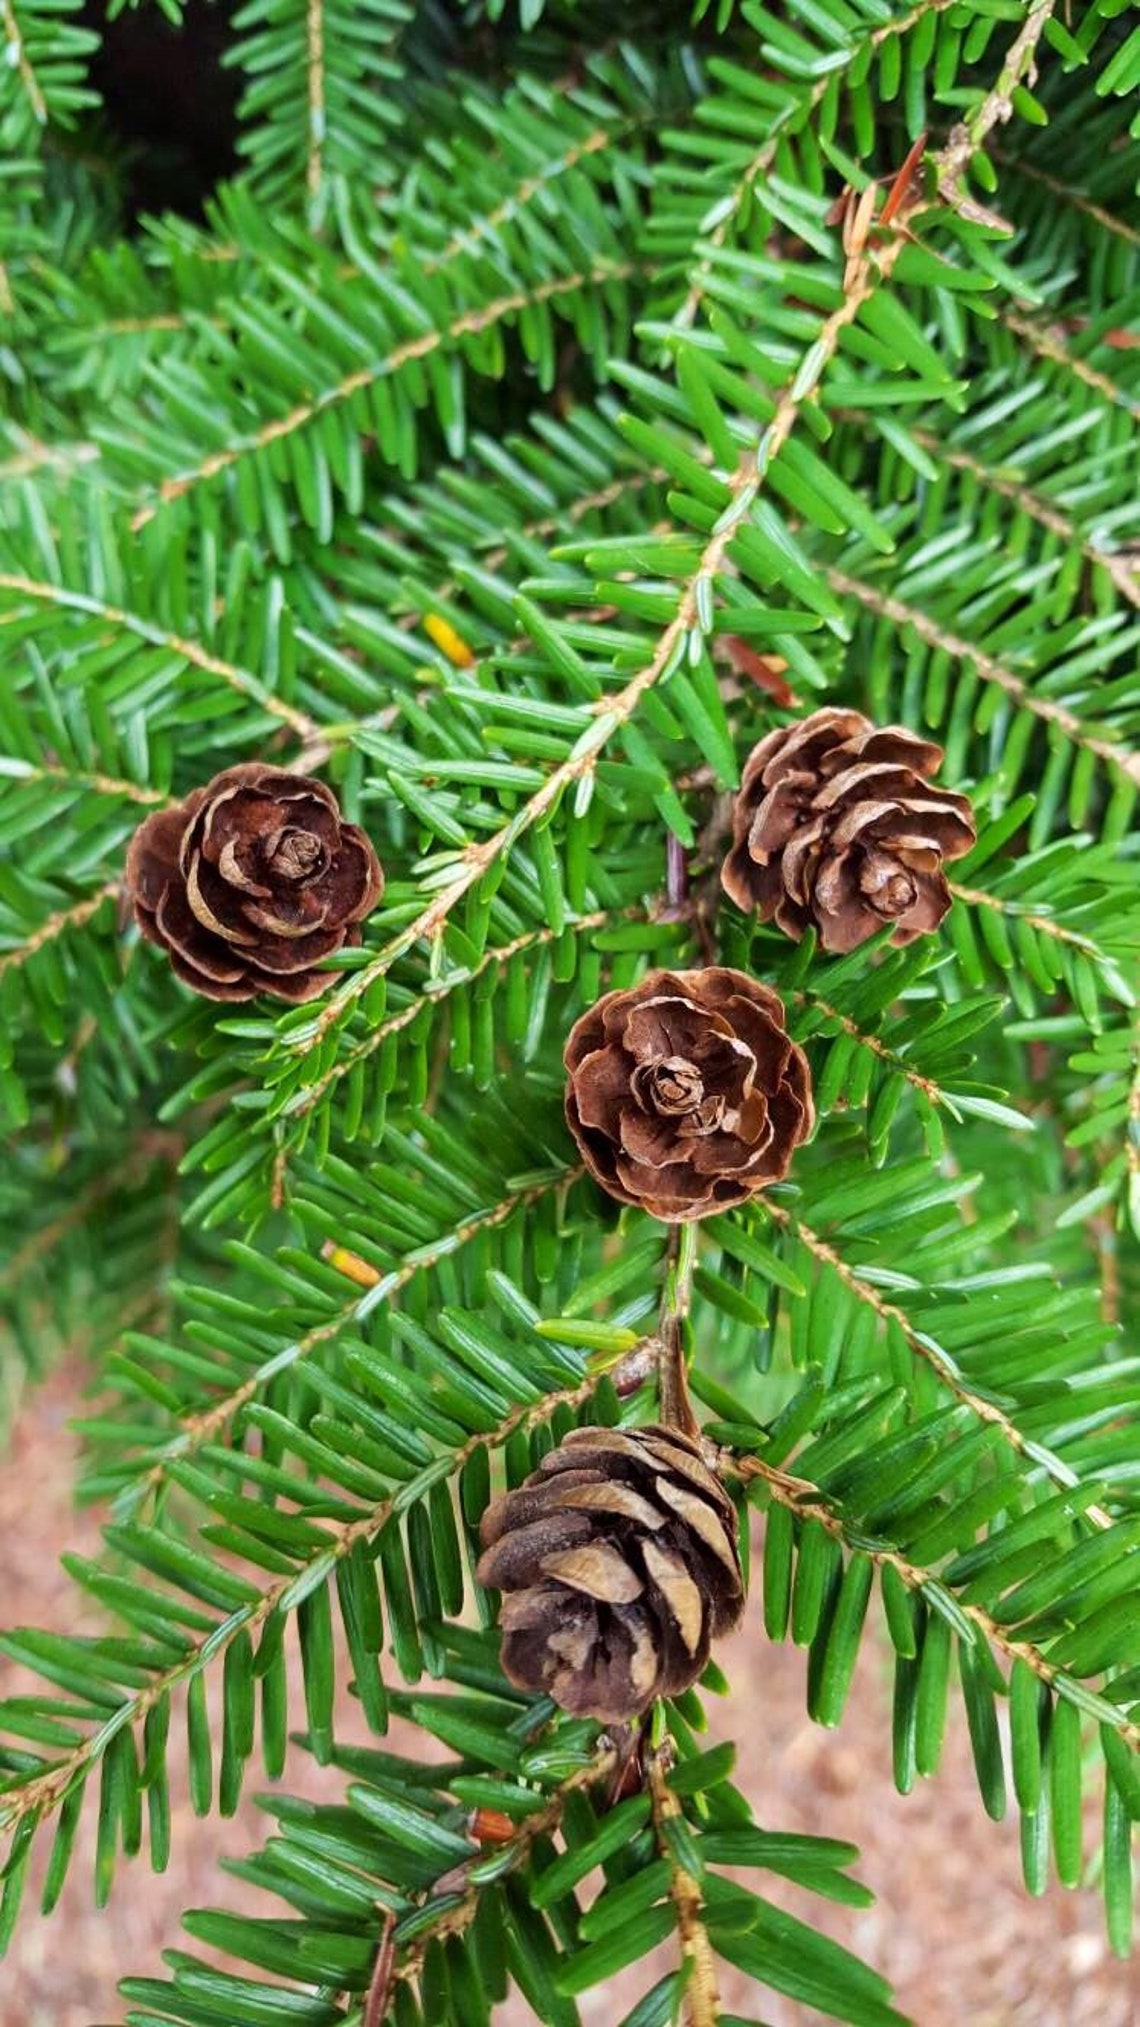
(251, 881)
(686, 1094)
(620, 1562)
(836, 824)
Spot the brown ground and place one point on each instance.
(952, 1926)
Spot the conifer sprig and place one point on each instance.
(534, 422)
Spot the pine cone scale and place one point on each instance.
(613, 1498)
(153, 857)
(526, 1548)
(177, 928)
(597, 1570)
(700, 1518)
(681, 1593)
(210, 907)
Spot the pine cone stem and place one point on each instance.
(672, 1377)
(676, 877)
(702, 1996)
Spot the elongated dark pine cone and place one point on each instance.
(837, 823)
(686, 1094)
(620, 1564)
(251, 881)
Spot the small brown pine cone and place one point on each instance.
(686, 1094)
(251, 881)
(836, 824)
(620, 1563)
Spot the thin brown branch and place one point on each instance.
(470, 322)
(778, 130)
(37, 456)
(438, 989)
(1123, 570)
(1043, 924)
(875, 1044)
(98, 784)
(807, 1501)
(17, 59)
(57, 925)
(524, 193)
(209, 1424)
(1048, 342)
(702, 1996)
(315, 42)
(1119, 227)
(130, 327)
(191, 651)
(379, 1993)
(994, 110)
(676, 1408)
(44, 1791)
(923, 1346)
(991, 671)
(458, 1915)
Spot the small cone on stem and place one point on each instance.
(619, 1563)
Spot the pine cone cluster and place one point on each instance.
(686, 1094)
(251, 881)
(838, 825)
(620, 1564)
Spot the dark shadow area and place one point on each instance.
(168, 101)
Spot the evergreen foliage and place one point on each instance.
(522, 432)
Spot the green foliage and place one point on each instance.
(519, 435)
(318, 102)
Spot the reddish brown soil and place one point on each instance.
(952, 1926)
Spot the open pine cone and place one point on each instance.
(686, 1094)
(251, 881)
(836, 823)
(620, 1563)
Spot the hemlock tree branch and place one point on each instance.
(925, 1347)
(58, 924)
(242, 680)
(469, 324)
(997, 106)
(210, 1423)
(45, 1792)
(991, 671)
(463, 1894)
(524, 432)
(313, 1094)
(1049, 344)
(744, 483)
(804, 1500)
